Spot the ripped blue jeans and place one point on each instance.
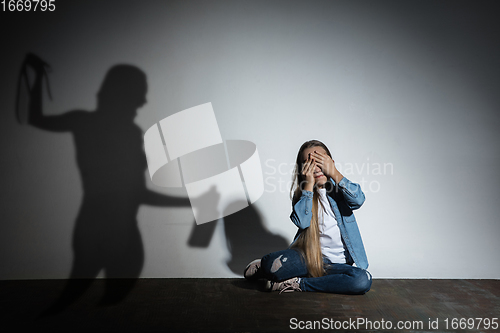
(340, 278)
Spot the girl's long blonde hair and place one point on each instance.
(308, 241)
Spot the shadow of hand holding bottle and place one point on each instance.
(111, 162)
(246, 237)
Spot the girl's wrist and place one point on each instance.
(337, 176)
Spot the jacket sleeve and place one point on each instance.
(302, 211)
(353, 194)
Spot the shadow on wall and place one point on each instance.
(111, 161)
(246, 237)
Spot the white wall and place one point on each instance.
(409, 85)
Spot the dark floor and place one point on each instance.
(234, 305)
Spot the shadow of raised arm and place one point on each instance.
(36, 118)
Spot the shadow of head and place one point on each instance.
(124, 87)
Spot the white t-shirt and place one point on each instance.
(330, 239)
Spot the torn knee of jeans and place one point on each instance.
(277, 264)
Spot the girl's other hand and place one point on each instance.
(308, 173)
(325, 163)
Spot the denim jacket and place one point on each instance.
(344, 197)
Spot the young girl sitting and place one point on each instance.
(328, 242)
